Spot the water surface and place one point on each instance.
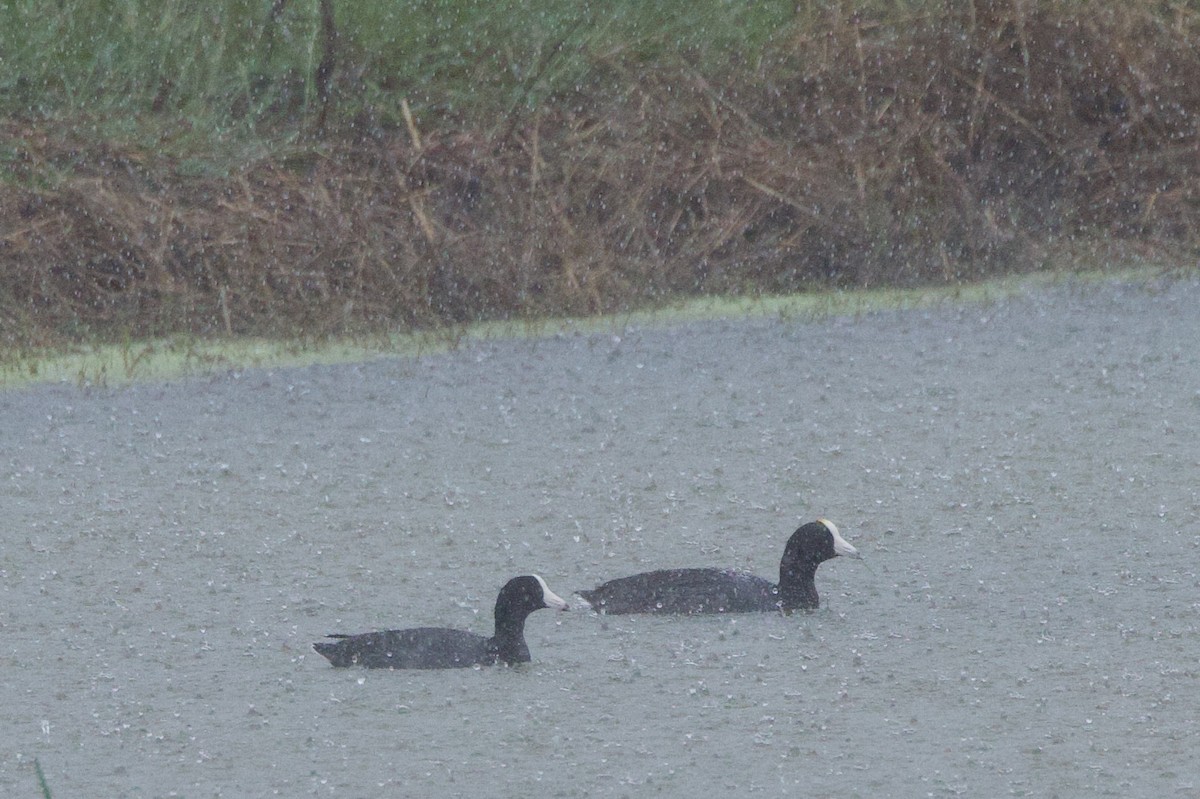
(1020, 476)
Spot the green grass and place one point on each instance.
(198, 77)
(116, 365)
(41, 777)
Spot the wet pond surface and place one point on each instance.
(1021, 478)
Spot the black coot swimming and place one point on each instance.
(445, 648)
(729, 590)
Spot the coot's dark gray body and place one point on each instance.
(445, 648)
(418, 648)
(690, 591)
(685, 591)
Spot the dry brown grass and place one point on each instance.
(861, 152)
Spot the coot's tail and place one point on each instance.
(335, 651)
(590, 597)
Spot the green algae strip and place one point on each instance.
(168, 359)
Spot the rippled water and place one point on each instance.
(1021, 478)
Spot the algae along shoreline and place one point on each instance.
(113, 365)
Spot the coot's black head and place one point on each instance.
(808, 547)
(521, 596)
(816, 542)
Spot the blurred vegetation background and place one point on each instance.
(312, 168)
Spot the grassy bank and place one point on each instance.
(106, 365)
(320, 168)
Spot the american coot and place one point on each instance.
(729, 590)
(445, 648)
